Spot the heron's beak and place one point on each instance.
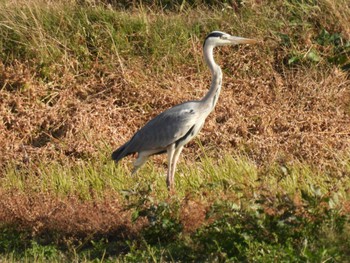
(242, 40)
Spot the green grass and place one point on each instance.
(252, 214)
(226, 174)
(55, 33)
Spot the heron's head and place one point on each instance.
(218, 38)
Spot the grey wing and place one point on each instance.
(165, 129)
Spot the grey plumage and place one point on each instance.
(173, 128)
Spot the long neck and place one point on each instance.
(211, 98)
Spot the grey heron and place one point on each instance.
(172, 129)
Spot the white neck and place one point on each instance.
(211, 98)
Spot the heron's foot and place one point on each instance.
(172, 192)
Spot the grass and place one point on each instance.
(55, 32)
(265, 181)
(229, 173)
(226, 209)
(67, 58)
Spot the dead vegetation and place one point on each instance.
(44, 213)
(278, 101)
(294, 115)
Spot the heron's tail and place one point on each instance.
(120, 153)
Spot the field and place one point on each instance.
(266, 180)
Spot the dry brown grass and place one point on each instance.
(267, 109)
(44, 214)
(269, 114)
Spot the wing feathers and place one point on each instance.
(171, 126)
(120, 153)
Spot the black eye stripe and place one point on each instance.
(213, 34)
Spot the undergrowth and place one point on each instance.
(222, 210)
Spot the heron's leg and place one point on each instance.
(141, 159)
(170, 152)
(174, 162)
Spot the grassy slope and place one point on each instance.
(72, 74)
